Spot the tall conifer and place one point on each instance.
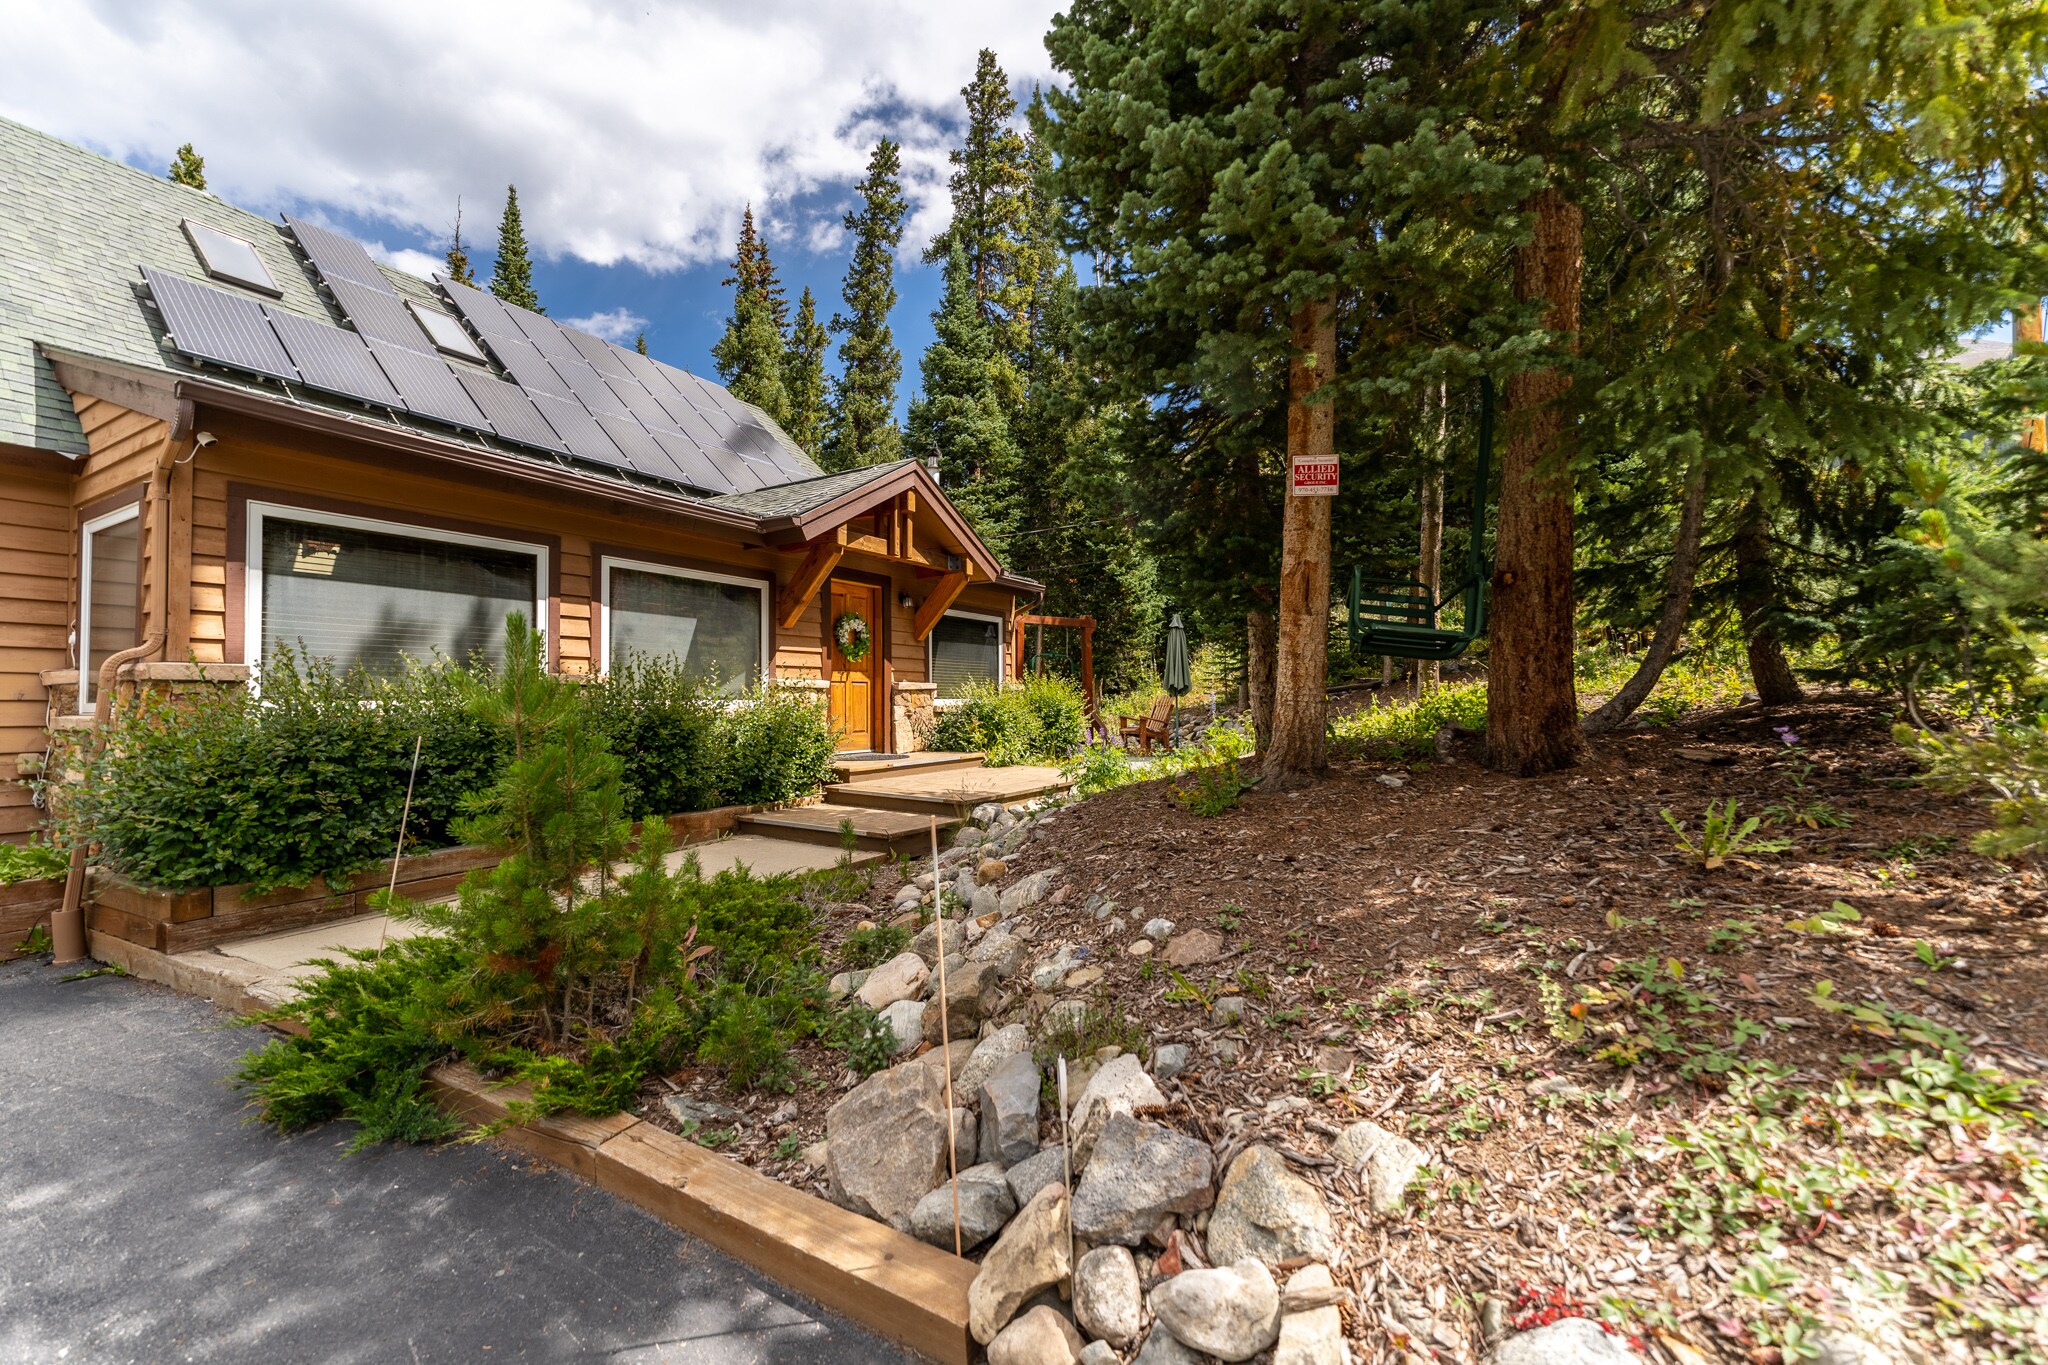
(512, 272)
(459, 268)
(991, 187)
(864, 396)
(750, 356)
(188, 168)
(961, 416)
(803, 375)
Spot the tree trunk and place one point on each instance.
(1532, 706)
(1258, 673)
(1430, 564)
(2026, 330)
(1756, 596)
(1685, 563)
(1302, 664)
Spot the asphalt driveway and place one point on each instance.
(142, 1219)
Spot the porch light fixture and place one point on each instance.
(905, 601)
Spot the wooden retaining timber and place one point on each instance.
(23, 906)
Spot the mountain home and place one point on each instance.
(221, 435)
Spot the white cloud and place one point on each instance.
(420, 263)
(634, 132)
(619, 325)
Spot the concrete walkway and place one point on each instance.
(147, 1221)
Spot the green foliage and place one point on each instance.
(664, 725)
(865, 948)
(963, 411)
(512, 271)
(803, 377)
(866, 1038)
(457, 263)
(1721, 837)
(1209, 789)
(1408, 729)
(27, 862)
(751, 354)
(1037, 720)
(2009, 762)
(188, 168)
(1099, 1025)
(776, 748)
(864, 395)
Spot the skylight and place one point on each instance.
(446, 333)
(230, 258)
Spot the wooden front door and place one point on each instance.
(856, 687)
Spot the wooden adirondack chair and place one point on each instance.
(1148, 728)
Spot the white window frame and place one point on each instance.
(931, 650)
(607, 563)
(131, 511)
(267, 286)
(256, 513)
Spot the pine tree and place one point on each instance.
(960, 416)
(864, 395)
(803, 376)
(512, 272)
(750, 356)
(640, 343)
(188, 168)
(991, 187)
(459, 269)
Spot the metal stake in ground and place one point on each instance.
(946, 1037)
(404, 815)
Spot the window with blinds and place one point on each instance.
(965, 650)
(376, 598)
(110, 615)
(712, 627)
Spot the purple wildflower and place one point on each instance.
(1787, 736)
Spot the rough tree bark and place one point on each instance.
(1756, 596)
(1301, 668)
(1259, 646)
(1685, 564)
(1532, 706)
(1430, 564)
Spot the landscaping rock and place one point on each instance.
(1009, 1111)
(1030, 1176)
(1031, 1255)
(986, 1206)
(845, 984)
(1195, 948)
(968, 837)
(987, 901)
(1048, 975)
(1158, 930)
(966, 1138)
(906, 1020)
(1081, 980)
(886, 1142)
(1139, 1173)
(968, 990)
(1028, 892)
(703, 1113)
(902, 977)
(985, 814)
(990, 870)
(926, 944)
(1099, 1353)
(1016, 838)
(964, 885)
(1231, 1312)
(1169, 1061)
(1119, 1087)
(1006, 1041)
(1228, 1012)
(1064, 1016)
(1265, 1212)
(1162, 1349)
(1107, 1298)
(1040, 1337)
(1002, 950)
(1314, 1336)
(1390, 1162)
(1568, 1341)
(1142, 948)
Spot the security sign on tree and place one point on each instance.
(1315, 476)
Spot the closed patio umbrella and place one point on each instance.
(1177, 677)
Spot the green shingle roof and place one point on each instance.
(795, 499)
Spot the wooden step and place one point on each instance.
(868, 769)
(948, 793)
(874, 831)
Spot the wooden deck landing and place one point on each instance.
(880, 831)
(852, 769)
(948, 792)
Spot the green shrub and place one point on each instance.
(866, 1038)
(866, 948)
(27, 862)
(662, 723)
(1408, 730)
(2007, 763)
(1038, 720)
(776, 747)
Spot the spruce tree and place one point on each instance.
(750, 355)
(960, 416)
(864, 395)
(459, 269)
(512, 272)
(188, 168)
(640, 343)
(803, 376)
(992, 202)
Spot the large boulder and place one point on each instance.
(1009, 1110)
(1029, 891)
(902, 977)
(1231, 1312)
(1119, 1087)
(990, 1052)
(1040, 1337)
(926, 944)
(1568, 1341)
(905, 1019)
(1031, 1255)
(1139, 1173)
(986, 1206)
(885, 1142)
(1266, 1212)
(1107, 1297)
(1027, 1178)
(1313, 1336)
(968, 988)
(1389, 1161)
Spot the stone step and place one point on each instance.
(897, 833)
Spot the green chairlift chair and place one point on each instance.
(1397, 617)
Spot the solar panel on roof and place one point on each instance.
(509, 409)
(639, 402)
(638, 445)
(646, 369)
(484, 311)
(333, 360)
(743, 474)
(524, 362)
(598, 353)
(579, 430)
(589, 386)
(338, 257)
(428, 386)
(380, 315)
(698, 471)
(212, 324)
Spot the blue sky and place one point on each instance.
(636, 130)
